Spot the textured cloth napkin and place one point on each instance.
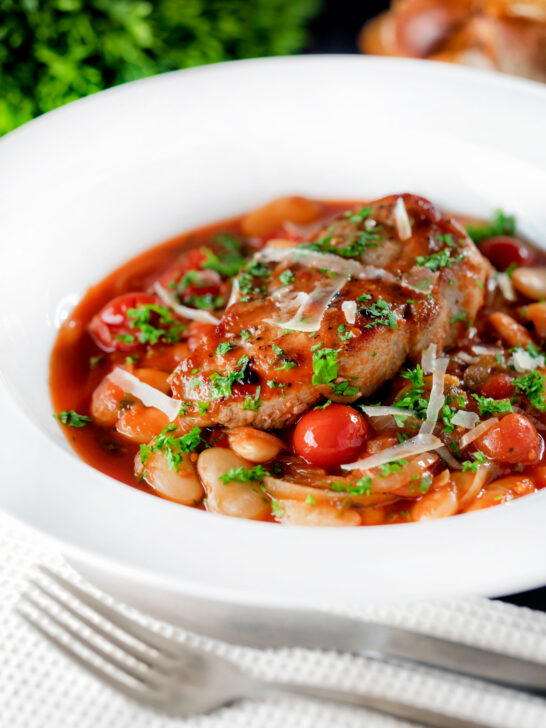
(40, 688)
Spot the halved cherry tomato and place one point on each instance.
(498, 386)
(189, 283)
(504, 250)
(331, 436)
(538, 474)
(110, 326)
(513, 440)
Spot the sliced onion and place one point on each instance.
(403, 225)
(461, 418)
(149, 396)
(349, 311)
(415, 446)
(476, 432)
(448, 458)
(195, 314)
(383, 410)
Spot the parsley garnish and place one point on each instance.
(324, 365)
(435, 261)
(380, 313)
(172, 447)
(223, 348)
(501, 224)
(488, 406)
(344, 335)
(344, 389)
(72, 419)
(253, 403)
(395, 466)
(94, 361)
(413, 399)
(363, 486)
(532, 386)
(244, 475)
(221, 385)
(479, 459)
(285, 363)
(141, 318)
(287, 277)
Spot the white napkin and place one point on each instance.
(39, 688)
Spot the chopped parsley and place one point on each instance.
(532, 386)
(232, 259)
(344, 389)
(324, 365)
(244, 475)
(72, 419)
(323, 406)
(285, 363)
(501, 224)
(253, 403)
(310, 500)
(221, 384)
(472, 465)
(380, 313)
(413, 399)
(488, 406)
(244, 334)
(395, 466)
(154, 323)
(461, 316)
(343, 334)
(203, 407)
(171, 447)
(363, 486)
(223, 348)
(357, 243)
(287, 277)
(184, 408)
(94, 361)
(443, 259)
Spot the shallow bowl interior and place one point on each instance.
(88, 186)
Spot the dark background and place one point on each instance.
(335, 30)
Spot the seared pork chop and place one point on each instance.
(334, 317)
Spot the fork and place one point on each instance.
(172, 677)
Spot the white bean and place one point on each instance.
(531, 282)
(296, 513)
(180, 485)
(254, 445)
(241, 500)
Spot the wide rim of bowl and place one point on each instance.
(263, 562)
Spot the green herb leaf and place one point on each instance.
(72, 419)
(501, 224)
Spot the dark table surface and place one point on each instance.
(335, 30)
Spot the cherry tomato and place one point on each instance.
(498, 386)
(110, 326)
(331, 436)
(504, 250)
(513, 440)
(189, 283)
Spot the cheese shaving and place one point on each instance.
(415, 446)
(349, 311)
(195, 314)
(234, 295)
(522, 361)
(465, 419)
(428, 357)
(383, 410)
(299, 254)
(403, 225)
(476, 432)
(308, 316)
(149, 396)
(437, 397)
(505, 284)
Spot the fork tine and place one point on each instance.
(137, 652)
(145, 678)
(146, 696)
(135, 630)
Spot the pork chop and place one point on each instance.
(334, 317)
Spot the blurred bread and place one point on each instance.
(507, 35)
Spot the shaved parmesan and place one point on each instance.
(149, 396)
(234, 295)
(383, 410)
(403, 225)
(476, 432)
(299, 254)
(428, 358)
(437, 398)
(308, 316)
(522, 361)
(505, 284)
(465, 419)
(465, 357)
(195, 314)
(487, 350)
(349, 311)
(415, 446)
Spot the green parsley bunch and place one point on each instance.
(55, 51)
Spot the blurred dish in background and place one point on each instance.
(504, 35)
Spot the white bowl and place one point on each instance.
(88, 186)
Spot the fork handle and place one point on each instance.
(395, 708)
